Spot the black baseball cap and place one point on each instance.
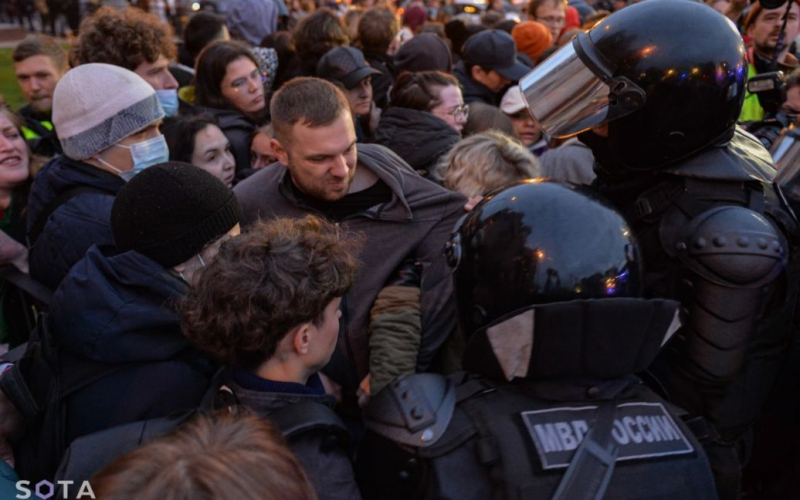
(495, 50)
(345, 65)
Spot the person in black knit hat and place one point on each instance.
(118, 304)
(171, 214)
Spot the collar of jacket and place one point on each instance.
(387, 166)
(473, 91)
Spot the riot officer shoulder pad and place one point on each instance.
(733, 246)
(414, 410)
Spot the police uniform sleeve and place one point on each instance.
(733, 256)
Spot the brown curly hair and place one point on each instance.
(316, 34)
(261, 285)
(123, 38)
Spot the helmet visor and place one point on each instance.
(564, 96)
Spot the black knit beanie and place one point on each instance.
(171, 211)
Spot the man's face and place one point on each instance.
(767, 27)
(493, 80)
(157, 74)
(121, 158)
(261, 153)
(792, 105)
(553, 15)
(360, 97)
(321, 160)
(37, 77)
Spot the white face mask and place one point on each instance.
(144, 154)
(202, 265)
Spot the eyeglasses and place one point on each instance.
(552, 20)
(256, 76)
(461, 111)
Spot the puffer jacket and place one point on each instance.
(418, 137)
(75, 225)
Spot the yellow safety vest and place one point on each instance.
(751, 109)
(30, 134)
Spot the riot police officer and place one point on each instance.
(668, 78)
(548, 280)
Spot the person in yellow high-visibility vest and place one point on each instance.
(39, 63)
(763, 27)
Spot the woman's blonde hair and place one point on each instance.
(487, 161)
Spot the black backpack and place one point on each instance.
(89, 454)
(40, 382)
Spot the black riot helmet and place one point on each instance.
(668, 76)
(539, 242)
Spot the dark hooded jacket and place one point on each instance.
(77, 224)
(239, 130)
(472, 90)
(418, 137)
(115, 313)
(417, 222)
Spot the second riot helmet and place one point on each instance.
(668, 76)
(540, 242)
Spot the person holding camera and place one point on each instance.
(768, 51)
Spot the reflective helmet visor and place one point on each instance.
(574, 89)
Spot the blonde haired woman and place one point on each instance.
(484, 162)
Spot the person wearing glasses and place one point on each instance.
(425, 119)
(551, 13)
(230, 85)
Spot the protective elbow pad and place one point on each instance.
(733, 246)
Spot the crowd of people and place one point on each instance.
(294, 251)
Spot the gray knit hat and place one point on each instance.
(97, 105)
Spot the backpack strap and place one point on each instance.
(590, 470)
(16, 389)
(44, 215)
(24, 282)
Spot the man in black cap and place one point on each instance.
(488, 65)
(346, 67)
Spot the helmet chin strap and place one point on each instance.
(605, 162)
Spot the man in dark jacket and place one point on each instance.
(107, 120)
(368, 190)
(39, 63)
(295, 272)
(114, 317)
(488, 65)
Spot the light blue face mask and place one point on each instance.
(169, 101)
(144, 154)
